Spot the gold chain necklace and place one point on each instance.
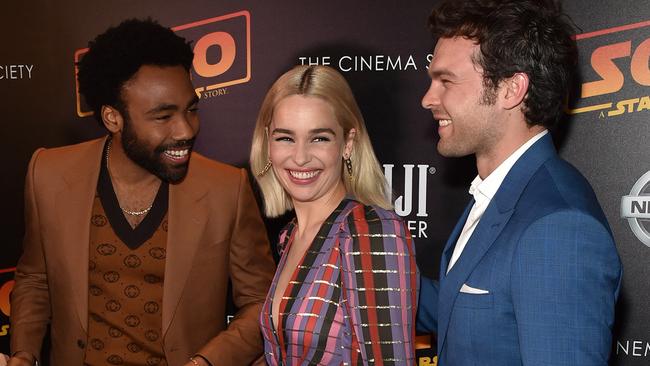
(132, 213)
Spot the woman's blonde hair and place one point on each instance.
(367, 183)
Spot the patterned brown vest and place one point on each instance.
(125, 279)
(125, 296)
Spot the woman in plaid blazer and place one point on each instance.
(345, 291)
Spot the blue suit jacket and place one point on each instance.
(544, 251)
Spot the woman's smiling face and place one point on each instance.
(306, 147)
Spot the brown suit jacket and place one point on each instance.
(215, 232)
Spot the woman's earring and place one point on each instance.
(265, 169)
(348, 166)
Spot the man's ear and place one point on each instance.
(112, 119)
(515, 90)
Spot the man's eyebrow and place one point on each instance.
(171, 107)
(441, 72)
(163, 108)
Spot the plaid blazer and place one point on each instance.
(352, 300)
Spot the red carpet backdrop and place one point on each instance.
(382, 48)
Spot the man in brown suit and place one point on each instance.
(131, 239)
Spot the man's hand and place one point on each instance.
(19, 359)
(197, 360)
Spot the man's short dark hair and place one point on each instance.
(529, 36)
(117, 54)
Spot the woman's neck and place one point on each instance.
(313, 214)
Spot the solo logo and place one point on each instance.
(636, 208)
(616, 72)
(5, 290)
(222, 49)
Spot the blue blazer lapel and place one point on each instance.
(453, 237)
(492, 223)
(488, 229)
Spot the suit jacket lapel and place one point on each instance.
(488, 229)
(451, 242)
(74, 202)
(187, 216)
(493, 221)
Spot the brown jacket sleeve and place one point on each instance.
(251, 273)
(30, 300)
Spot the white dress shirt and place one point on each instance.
(483, 192)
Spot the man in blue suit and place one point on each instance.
(530, 274)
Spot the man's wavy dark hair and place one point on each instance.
(117, 54)
(529, 36)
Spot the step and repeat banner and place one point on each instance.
(382, 48)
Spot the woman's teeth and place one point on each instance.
(303, 175)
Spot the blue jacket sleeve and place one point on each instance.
(427, 316)
(565, 280)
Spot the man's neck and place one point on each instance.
(125, 171)
(488, 161)
(134, 187)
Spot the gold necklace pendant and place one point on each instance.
(136, 213)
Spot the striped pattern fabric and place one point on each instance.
(353, 298)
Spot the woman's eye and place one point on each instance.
(283, 138)
(321, 139)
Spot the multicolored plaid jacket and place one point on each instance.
(352, 300)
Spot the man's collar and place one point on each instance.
(489, 186)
